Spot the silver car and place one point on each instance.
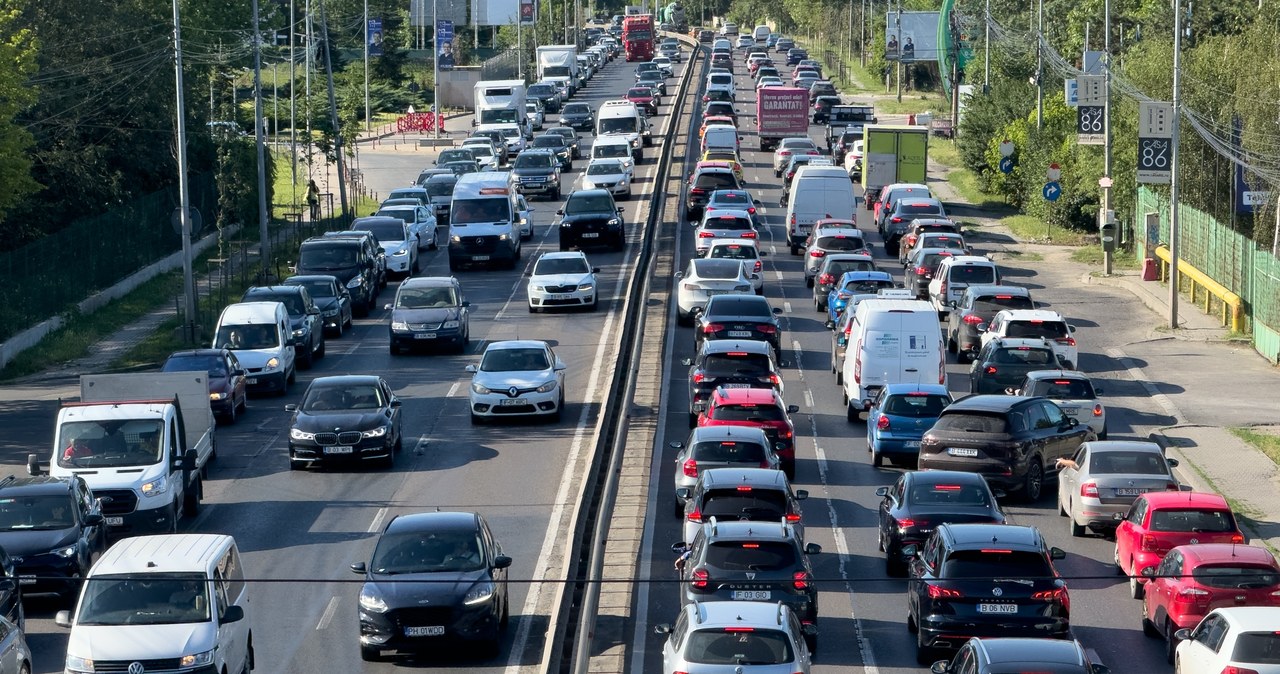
(744, 637)
(704, 278)
(831, 239)
(720, 447)
(1105, 477)
(15, 657)
(1075, 394)
(722, 224)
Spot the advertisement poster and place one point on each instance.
(444, 42)
(374, 35)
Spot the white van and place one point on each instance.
(761, 33)
(624, 118)
(613, 147)
(260, 336)
(484, 221)
(891, 341)
(722, 137)
(174, 598)
(817, 193)
(957, 273)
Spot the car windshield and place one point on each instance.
(948, 242)
(967, 495)
(748, 412)
(918, 209)
(640, 92)
(1236, 576)
(533, 160)
(540, 91)
(292, 302)
(866, 286)
(731, 198)
(480, 150)
(751, 556)
(995, 563)
(736, 647)
(317, 289)
(247, 337)
(842, 242)
(440, 188)
(733, 251)
(734, 363)
(730, 451)
(427, 552)
(510, 131)
(389, 232)
(915, 405)
(1068, 389)
(553, 141)
(214, 365)
(327, 258)
(726, 305)
(715, 180)
(1257, 648)
(467, 211)
(37, 512)
(561, 265)
(459, 154)
(577, 109)
(838, 268)
(1046, 329)
(109, 444)
(514, 360)
(1191, 520)
(589, 203)
(604, 168)
(438, 297)
(969, 422)
(145, 599)
(334, 397)
(1023, 355)
(611, 151)
(619, 125)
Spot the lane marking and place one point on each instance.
(327, 617)
(376, 524)
(778, 273)
(453, 389)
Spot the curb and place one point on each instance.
(1185, 332)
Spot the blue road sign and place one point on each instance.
(1052, 191)
(1006, 164)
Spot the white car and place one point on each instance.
(614, 175)
(704, 278)
(722, 224)
(722, 82)
(664, 64)
(421, 222)
(563, 279)
(536, 116)
(747, 252)
(486, 157)
(1031, 323)
(398, 243)
(1231, 639)
(792, 146)
(517, 377)
(770, 81)
(525, 213)
(853, 160)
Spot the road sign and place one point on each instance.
(1255, 197)
(1054, 173)
(1155, 119)
(1092, 90)
(1091, 124)
(1006, 148)
(1071, 91)
(1006, 165)
(1155, 142)
(1052, 191)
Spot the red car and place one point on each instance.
(758, 407)
(644, 98)
(1195, 579)
(1160, 521)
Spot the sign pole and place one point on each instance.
(1106, 110)
(435, 66)
(1174, 224)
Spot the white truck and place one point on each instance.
(141, 442)
(559, 63)
(501, 102)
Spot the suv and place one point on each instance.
(722, 224)
(1011, 441)
(759, 494)
(739, 317)
(51, 531)
(719, 447)
(900, 216)
(831, 236)
(1004, 362)
(984, 580)
(833, 266)
(721, 635)
(702, 182)
(752, 560)
(591, 218)
(353, 261)
(1032, 323)
(730, 363)
(979, 303)
(884, 201)
(537, 171)
(760, 408)
(305, 319)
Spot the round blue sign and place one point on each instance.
(1006, 164)
(1052, 191)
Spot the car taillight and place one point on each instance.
(767, 329)
(698, 377)
(826, 279)
(748, 235)
(1089, 489)
(1232, 669)
(906, 523)
(691, 286)
(758, 267)
(1058, 594)
(922, 271)
(699, 578)
(882, 423)
(1069, 341)
(1237, 538)
(812, 152)
(1149, 543)
(785, 153)
(972, 319)
(991, 369)
(937, 592)
(793, 218)
(691, 469)
(857, 362)
(1097, 410)
(1191, 594)
(942, 289)
(706, 235)
(895, 219)
(752, 210)
(793, 517)
(712, 327)
(817, 253)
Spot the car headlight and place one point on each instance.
(375, 432)
(451, 324)
(67, 552)
(196, 659)
(354, 282)
(537, 288)
(155, 487)
(503, 237)
(586, 286)
(478, 389)
(299, 332)
(479, 594)
(547, 387)
(272, 364)
(217, 396)
(371, 601)
(295, 434)
(455, 239)
(331, 312)
(399, 326)
(78, 664)
(615, 221)
(399, 251)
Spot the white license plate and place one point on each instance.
(912, 444)
(1070, 412)
(735, 386)
(425, 335)
(997, 608)
(590, 235)
(751, 595)
(251, 381)
(739, 333)
(26, 580)
(428, 631)
(1130, 492)
(513, 401)
(962, 451)
(113, 521)
(560, 297)
(338, 449)
(480, 258)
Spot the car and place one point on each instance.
(772, 40)
(1074, 392)
(486, 143)
(1033, 323)
(350, 261)
(922, 268)
(822, 88)
(517, 377)
(722, 224)
(52, 531)
(461, 168)
(653, 79)
(536, 114)
(883, 203)
(919, 502)
(664, 65)
(591, 218)
(795, 55)
(702, 182)
(852, 284)
(564, 279)
(977, 305)
(578, 116)
(1004, 654)
(721, 60)
(739, 317)
(903, 212)
(1239, 639)
(440, 190)
(1003, 363)
(729, 363)
(952, 243)
(546, 94)
(846, 150)
(770, 72)
(718, 447)
(1013, 442)
(770, 81)
(15, 655)
(760, 494)
(429, 311)
(345, 418)
(433, 576)
(228, 395)
(930, 226)
(427, 174)
(722, 82)
(1159, 521)
(415, 192)
(557, 144)
(729, 157)
(1104, 478)
(454, 154)
(706, 36)
(822, 105)
(720, 109)
(746, 42)
(833, 266)
(615, 147)
(702, 279)
(537, 171)
(759, 407)
(793, 165)
(571, 137)
(671, 50)
(304, 318)
(831, 236)
(645, 97)
(712, 122)
(784, 45)
(720, 636)
(787, 147)
(423, 232)
(747, 251)
(368, 243)
(899, 416)
(395, 240)
(964, 575)
(614, 175)
(645, 67)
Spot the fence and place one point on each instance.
(504, 66)
(1226, 256)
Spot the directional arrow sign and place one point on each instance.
(1052, 191)
(1006, 165)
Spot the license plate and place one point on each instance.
(1070, 412)
(251, 381)
(739, 333)
(429, 631)
(113, 521)
(1130, 492)
(480, 258)
(513, 401)
(735, 386)
(26, 580)
(997, 608)
(338, 449)
(751, 595)
(590, 235)
(912, 444)
(962, 451)
(561, 297)
(425, 335)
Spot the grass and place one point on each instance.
(1033, 230)
(944, 152)
(1022, 256)
(913, 103)
(1266, 443)
(1092, 255)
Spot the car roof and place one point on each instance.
(428, 282)
(275, 290)
(988, 535)
(1243, 618)
(1041, 375)
(762, 530)
(189, 353)
(728, 213)
(595, 192)
(756, 477)
(1123, 446)
(516, 344)
(734, 345)
(346, 380)
(1021, 291)
(865, 276)
(1020, 342)
(436, 521)
(989, 403)
(900, 388)
(1214, 553)
(1031, 315)
(167, 553)
(724, 241)
(746, 396)
(49, 484)
(728, 432)
(563, 255)
(927, 477)
(721, 614)
(1028, 652)
(1158, 500)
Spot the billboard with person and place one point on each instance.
(911, 36)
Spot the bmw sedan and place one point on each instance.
(517, 378)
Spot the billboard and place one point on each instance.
(423, 13)
(526, 12)
(911, 36)
(495, 12)
(373, 35)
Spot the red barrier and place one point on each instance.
(419, 121)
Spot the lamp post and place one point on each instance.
(184, 194)
(1174, 224)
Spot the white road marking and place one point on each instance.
(327, 616)
(786, 306)
(778, 274)
(453, 389)
(376, 524)
(808, 398)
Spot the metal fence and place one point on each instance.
(504, 66)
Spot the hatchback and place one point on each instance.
(517, 377)
(1032, 323)
(702, 183)
(709, 638)
(564, 279)
(722, 224)
(1160, 521)
(1003, 363)
(728, 494)
(1006, 654)
(831, 237)
(1074, 392)
(920, 501)
(718, 447)
(729, 363)
(977, 305)
(758, 407)
(900, 415)
(1234, 639)
(851, 285)
(834, 265)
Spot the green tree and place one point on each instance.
(18, 49)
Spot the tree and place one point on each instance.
(17, 48)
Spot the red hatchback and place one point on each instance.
(644, 98)
(760, 408)
(1195, 579)
(1160, 521)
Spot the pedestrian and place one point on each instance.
(313, 199)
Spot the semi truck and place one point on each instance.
(559, 63)
(637, 37)
(501, 102)
(141, 442)
(781, 112)
(844, 116)
(893, 154)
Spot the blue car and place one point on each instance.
(855, 283)
(899, 416)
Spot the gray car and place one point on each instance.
(430, 311)
(834, 265)
(1105, 477)
(750, 637)
(719, 447)
(831, 239)
(15, 657)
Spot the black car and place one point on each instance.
(537, 171)
(1004, 654)
(350, 418)
(544, 93)
(822, 105)
(51, 529)
(333, 300)
(304, 318)
(348, 261)
(822, 88)
(1004, 362)
(435, 576)
(920, 501)
(978, 305)
(591, 218)
(570, 138)
(767, 71)
(372, 248)
(430, 311)
(1012, 441)
(578, 116)
(462, 167)
(796, 55)
(702, 183)
(919, 275)
(653, 79)
(984, 580)
(729, 362)
(720, 109)
(426, 174)
(719, 95)
(739, 317)
(557, 144)
(228, 394)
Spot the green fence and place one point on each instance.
(1228, 257)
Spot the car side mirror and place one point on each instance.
(63, 619)
(1073, 422)
(1173, 463)
(291, 407)
(466, 304)
(686, 361)
(679, 547)
(1057, 553)
(675, 444)
(1118, 517)
(1096, 668)
(664, 628)
(595, 270)
(93, 519)
(910, 550)
(830, 324)
(802, 494)
(757, 202)
(560, 211)
(1148, 572)
(396, 403)
(1181, 635)
(359, 568)
(559, 365)
(764, 253)
(501, 562)
(232, 614)
(867, 403)
(882, 491)
(679, 274)
(387, 306)
(684, 493)
(620, 209)
(237, 373)
(472, 369)
(792, 409)
(812, 548)
(777, 311)
(940, 667)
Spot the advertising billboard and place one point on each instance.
(911, 36)
(422, 13)
(495, 12)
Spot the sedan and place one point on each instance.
(353, 418)
(739, 317)
(557, 144)
(578, 116)
(570, 137)
(564, 279)
(900, 415)
(227, 394)
(919, 501)
(1005, 654)
(517, 377)
(1104, 478)
(705, 278)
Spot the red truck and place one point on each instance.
(637, 37)
(781, 112)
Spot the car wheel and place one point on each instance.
(851, 412)
(1136, 588)
(952, 346)
(924, 654)
(877, 459)
(1149, 628)
(693, 420)
(306, 359)
(559, 413)
(1170, 641)
(1103, 434)
(230, 417)
(415, 268)
(342, 324)
(321, 351)
(533, 309)
(369, 654)
(1033, 483)
(1077, 530)
(678, 510)
(595, 303)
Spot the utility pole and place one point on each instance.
(1040, 65)
(1175, 230)
(264, 238)
(1106, 122)
(333, 113)
(955, 75)
(184, 194)
(862, 43)
(897, 64)
(435, 68)
(986, 58)
(306, 101)
(293, 125)
(367, 118)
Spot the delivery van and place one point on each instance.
(260, 335)
(817, 193)
(891, 341)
